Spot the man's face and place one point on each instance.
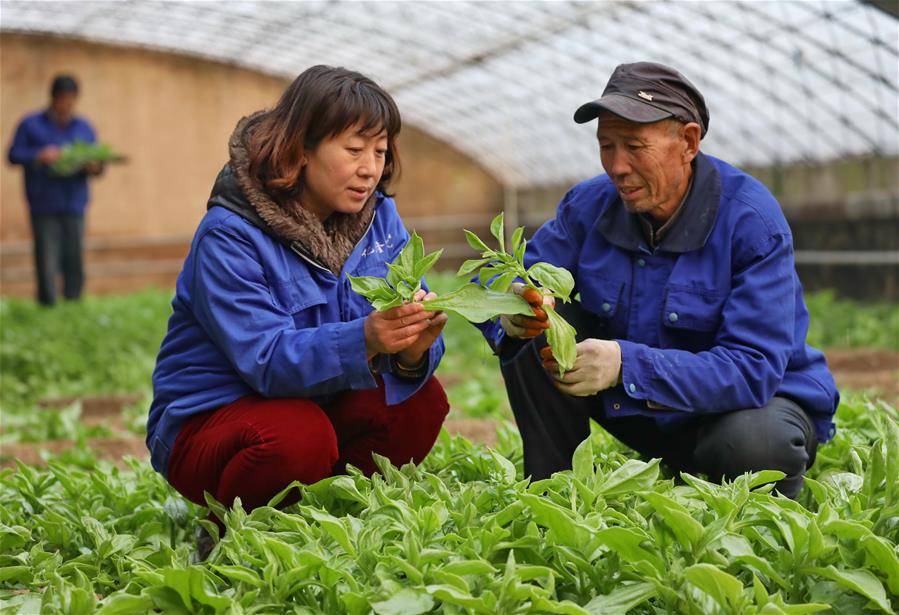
(63, 106)
(649, 163)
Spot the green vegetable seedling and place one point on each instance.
(499, 269)
(404, 278)
(77, 154)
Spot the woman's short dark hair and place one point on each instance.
(322, 102)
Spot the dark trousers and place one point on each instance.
(58, 246)
(777, 436)
(254, 447)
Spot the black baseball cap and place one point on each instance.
(646, 92)
(63, 83)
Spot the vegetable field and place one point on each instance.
(82, 531)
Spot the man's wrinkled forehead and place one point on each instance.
(610, 124)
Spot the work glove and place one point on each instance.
(526, 327)
(597, 368)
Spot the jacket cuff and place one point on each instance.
(349, 340)
(410, 372)
(398, 389)
(636, 370)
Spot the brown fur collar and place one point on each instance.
(330, 243)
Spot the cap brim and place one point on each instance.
(629, 108)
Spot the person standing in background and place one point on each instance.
(56, 203)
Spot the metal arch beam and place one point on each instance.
(538, 35)
(890, 7)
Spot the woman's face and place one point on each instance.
(342, 172)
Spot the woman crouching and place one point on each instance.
(273, 369)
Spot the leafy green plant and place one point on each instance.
(464, 532)
(404, 280)
(498, 269)
(77, 154)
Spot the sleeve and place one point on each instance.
(233, 303)
(23, 149)
(557, 242)
(752, 347)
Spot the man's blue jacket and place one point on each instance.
(713, 320)
(253, 316)
(47, 193)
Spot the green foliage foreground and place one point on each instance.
(463, 533)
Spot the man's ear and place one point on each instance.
(692, 133)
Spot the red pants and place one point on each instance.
(254, 447)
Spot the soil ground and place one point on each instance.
(871, 370)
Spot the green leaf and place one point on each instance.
(411, 252)
(558, 280)
(860, 581)
(368, 285)
(582, 462)
(520, 251)
(406, 601)
(565, 530)
(470, 566)
(621, 599)
(424, 265)
(517, 236)
(883, 555)
(470, 266)
(686, 529)
(477, 304)
(632, 475)
(496, 229)
(475, 242)
(626, 542)
(386, 304)
(125, 604)
(724, 588)
(486, 273)
(561, 337)
(502, 282)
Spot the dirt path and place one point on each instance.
(871, 370)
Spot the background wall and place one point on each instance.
(172, 115)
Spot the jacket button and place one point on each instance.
(632, 387)
(641, 262)
(672, 316)
(606, 307)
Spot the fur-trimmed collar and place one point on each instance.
(329, 243)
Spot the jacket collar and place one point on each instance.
(692, 228)
(328, 244)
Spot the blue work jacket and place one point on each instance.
(252, 316)
(712, 320)
(47, 193)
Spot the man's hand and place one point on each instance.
(414, 353)
(597, 368)
(49, 154)
(526, 327)
(94, 167)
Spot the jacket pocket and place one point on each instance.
(691, 309)
(602, 296)
(295, 294)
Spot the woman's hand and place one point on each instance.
(414, 353)
(407, 330)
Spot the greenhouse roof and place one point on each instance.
(785, 81)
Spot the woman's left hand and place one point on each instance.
(413, 354)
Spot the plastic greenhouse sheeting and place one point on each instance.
(785, 81)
